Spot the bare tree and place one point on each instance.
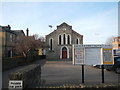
(109, 40)
(36, 36)
(40, 41)
(28, 44)
(24, 45)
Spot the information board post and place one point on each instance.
(82, 73)
(102, 73)
(93, 55)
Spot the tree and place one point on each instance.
(109, 40)
(28, 44)
(40, 41)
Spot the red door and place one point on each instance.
(64, 53)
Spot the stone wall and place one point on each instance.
(30, 75)
(9, 63)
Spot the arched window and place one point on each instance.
(77, 41)
(59, 40)
(64, 39)
(68, 39)
(51, 44)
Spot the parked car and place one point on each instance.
(98, 66)
(115, 67)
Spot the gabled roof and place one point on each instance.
(7, 29)
(63, 24)
(76, 33)
(18, 31)
(51, 33)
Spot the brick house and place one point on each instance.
(116, 45)
(60, 41)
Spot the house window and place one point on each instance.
(119, 40)
(64, 39)
(118, 45)
(11, 37)
(10, 53)
(59, 40)
(68, 39)
(77, 41)
(51, 44)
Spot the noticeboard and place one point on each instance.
(107, 56)
(79, 56)
(92, 54)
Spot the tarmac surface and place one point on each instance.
(57, 73)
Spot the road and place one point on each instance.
(56, 73)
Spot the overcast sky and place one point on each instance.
(96, 21)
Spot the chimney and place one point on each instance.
(9, 27)
(27, 32)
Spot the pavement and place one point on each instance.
(57, 73)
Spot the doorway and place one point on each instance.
(64, 53)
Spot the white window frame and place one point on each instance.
(58, 39)
(119, 40)
(65, 38)
(11, 37)
(70, 38)
(52, 43)
(78, 40)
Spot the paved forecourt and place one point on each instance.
(56, 73)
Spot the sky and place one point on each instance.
(96, 21)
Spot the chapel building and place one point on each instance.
(59, 42)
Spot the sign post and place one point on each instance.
(78, 53)
(82, 73)
(102, 73)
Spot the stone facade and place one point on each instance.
(8, 40)
(59, 42)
